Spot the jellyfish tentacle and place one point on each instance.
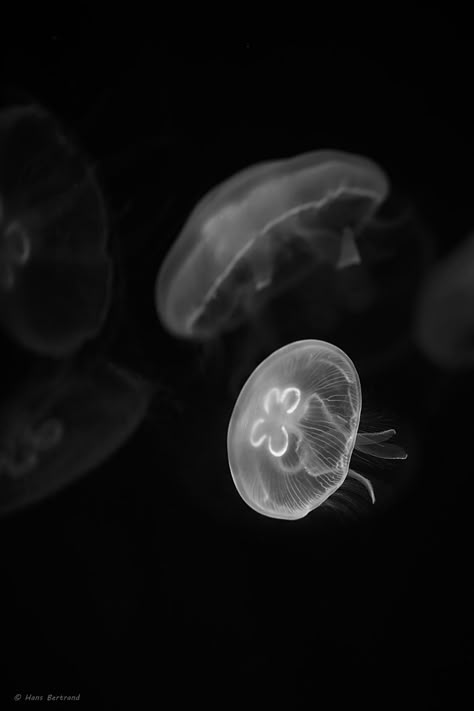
(364, 481)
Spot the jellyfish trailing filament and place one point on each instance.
(294, 428)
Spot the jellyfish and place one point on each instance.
(55, 271)
(444, 314)
(60, 427)
(294, 427)
(256, 234)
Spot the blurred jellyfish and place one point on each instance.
(55, 273)
(60, 428)
(294, 427)
(444, 315)
(259, 232)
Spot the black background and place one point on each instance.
(149, 581)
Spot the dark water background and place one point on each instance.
(149, 582)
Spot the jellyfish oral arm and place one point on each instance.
(364, 481)
(371, 443)
(349, 254)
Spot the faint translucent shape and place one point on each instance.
(58, 429)
(259, 231)
(444, 315)
(55, 272)
(294, 427)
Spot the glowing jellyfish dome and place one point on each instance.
(253, 235)
(55, 272)
(294, 427)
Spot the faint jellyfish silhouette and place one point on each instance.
(59, 428)
(366, 308)
(55, 272)
(444, 314)
(259, 232)
(294, 427)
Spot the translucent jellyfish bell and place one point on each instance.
(294, 427)
(444, 316)
(55, 272)
(259, 231)
(57, 429)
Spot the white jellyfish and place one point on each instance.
(255, 234)
(55, 269)
(294, 427)
(54, 430)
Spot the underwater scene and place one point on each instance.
(237, 346)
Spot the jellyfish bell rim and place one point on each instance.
(190, 238)
(295, 515)
(236, 412)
